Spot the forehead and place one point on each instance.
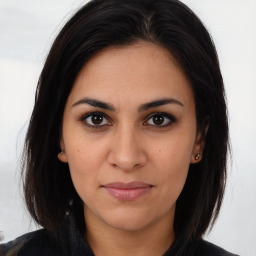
(139, 72)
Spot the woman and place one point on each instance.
(126, 148)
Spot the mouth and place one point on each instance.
(127, 191)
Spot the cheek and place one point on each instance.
(172, 160)
(175, 153)
(84, 152)
(84, 164)
(87, 161)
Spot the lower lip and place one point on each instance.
(127, 194)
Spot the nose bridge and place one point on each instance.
(126, 151)
(127, 140)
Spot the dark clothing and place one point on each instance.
(69, 241)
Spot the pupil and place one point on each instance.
(97, 119)
(158, 120)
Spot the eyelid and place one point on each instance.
(171, 118)
(164, 114)
(85, 116)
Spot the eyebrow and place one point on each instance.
(158, 103)
(95, 103)
(143, 107)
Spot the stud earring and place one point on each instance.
(197, 156)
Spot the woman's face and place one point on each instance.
(129, 136)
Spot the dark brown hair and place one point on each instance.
(100, 24)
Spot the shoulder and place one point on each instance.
(32, 243)
(205, 248)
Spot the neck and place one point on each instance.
(151, 240)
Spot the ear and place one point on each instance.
(198, 149)
(62, 156)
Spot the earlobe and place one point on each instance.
(198, 149)
(62, 156)
(196, 158)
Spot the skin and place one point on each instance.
(130, 145)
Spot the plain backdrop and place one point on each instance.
(27, 29)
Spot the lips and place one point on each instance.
(127, 191)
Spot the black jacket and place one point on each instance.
(69, 241)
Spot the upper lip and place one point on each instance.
(129, 185)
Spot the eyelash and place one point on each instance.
(84, 117)
(171, 118)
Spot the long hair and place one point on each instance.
(96, 26)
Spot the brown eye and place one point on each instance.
(160, 120)
(95, 120)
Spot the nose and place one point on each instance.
(126, 151)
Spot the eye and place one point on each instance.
(95, 120)
(160, 120)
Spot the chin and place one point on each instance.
(128, 221)
(127, 225)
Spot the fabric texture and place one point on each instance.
(68, 241)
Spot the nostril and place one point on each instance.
(126, 153)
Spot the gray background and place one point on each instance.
(27, 29)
